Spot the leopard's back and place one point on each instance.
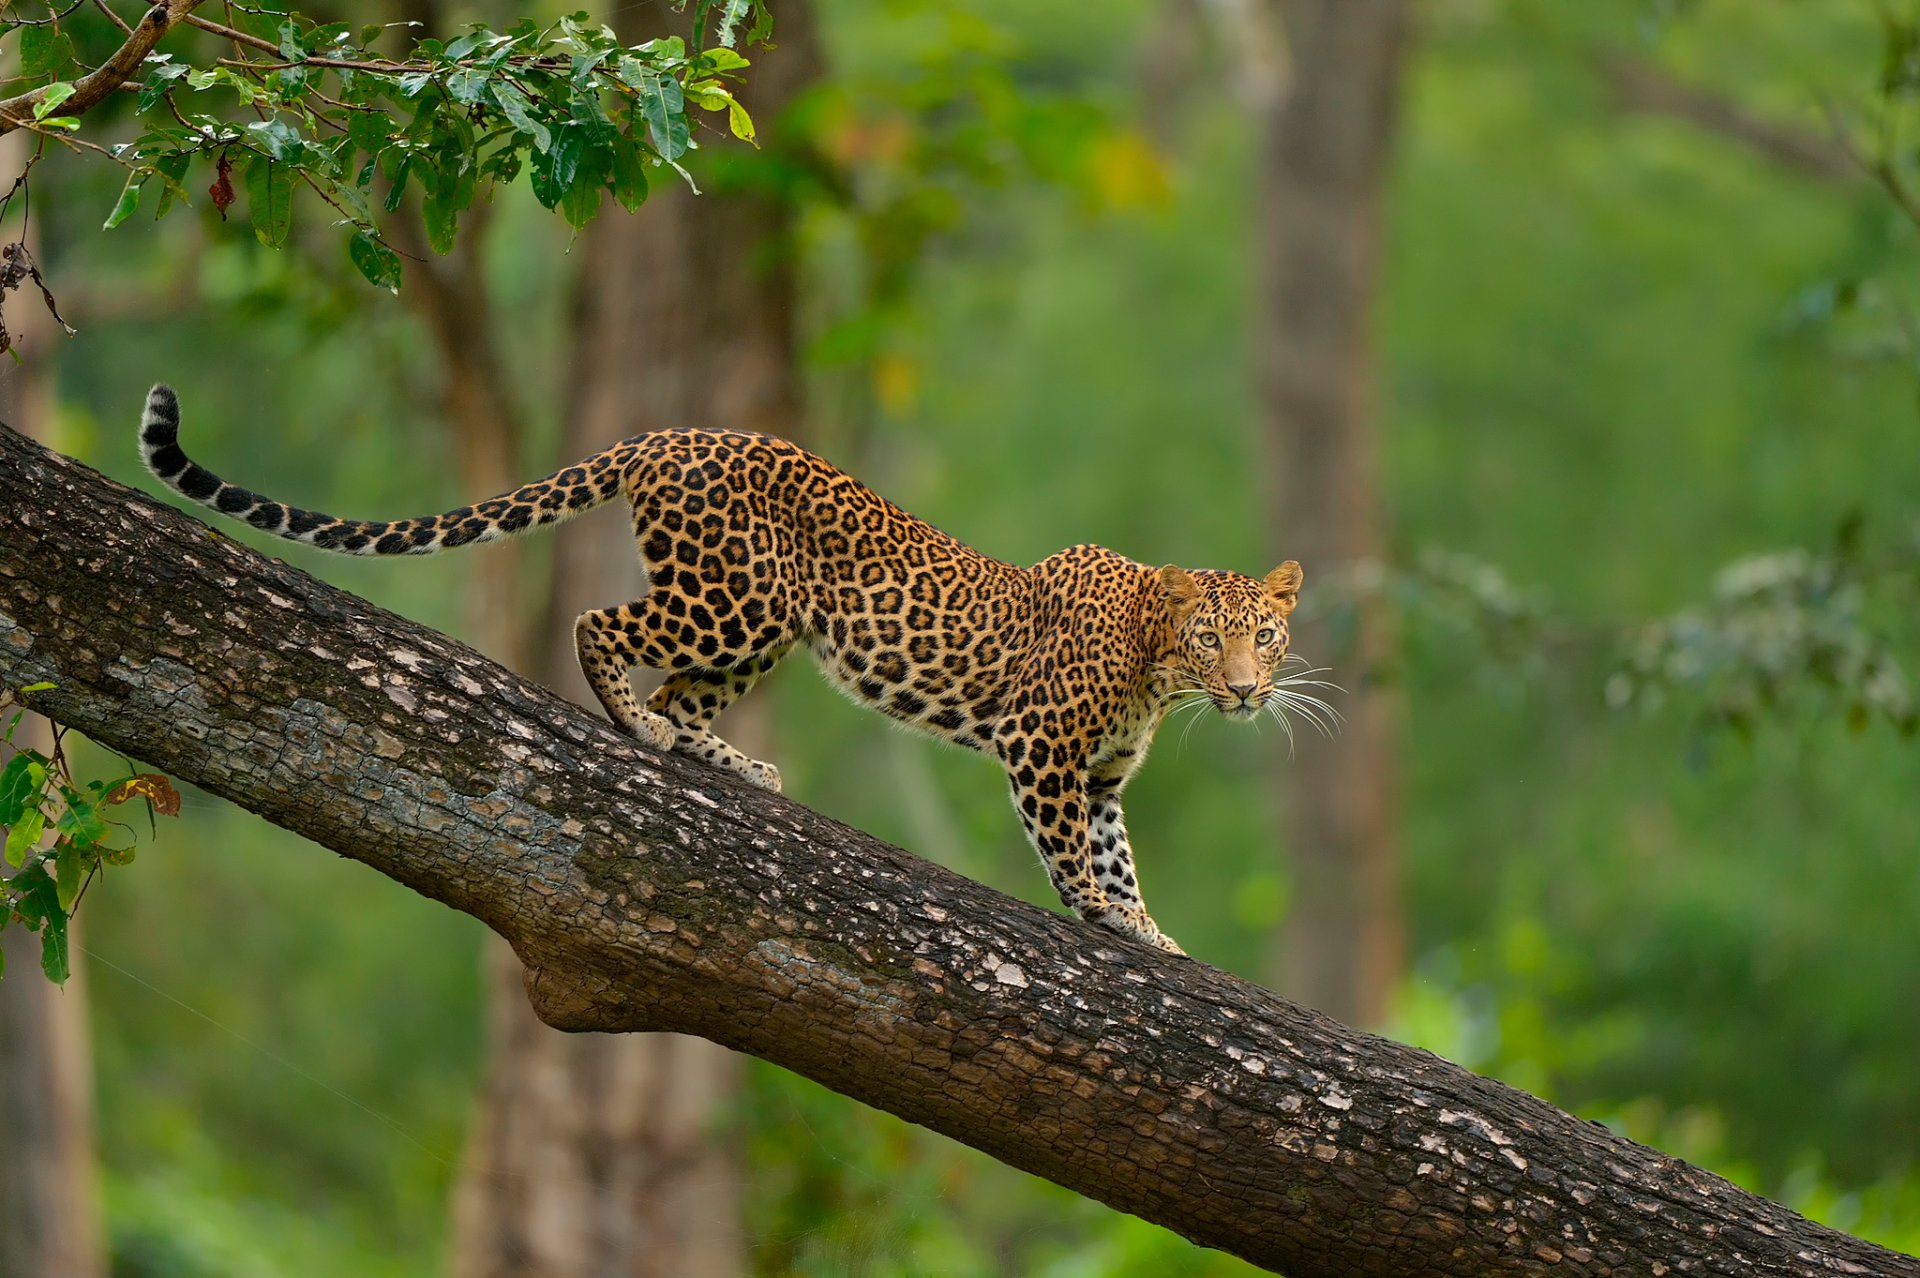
(752, 541)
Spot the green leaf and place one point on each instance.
(664, 49)
(581, 202)
(57, 93)
(442, 218)
(23, 835)
(38, 900)
(713, 95)
(722, 59)
(44, 50)
(368, 130)
(467, 85)
(664, 107)
(465, 44)
(514, 105)
(81, 823)
(762, 23)
(555, 171)
(380, 264)
(129, 201)
(270, 199)
(160, 74)
(730, 18)
(583, 65)
(280, 139)
(21, 783)
(70, 864)
(42, 686)
(54, 959)
(629, 173)
(545, 189)
(397, 165)
(173, 173)
(290, 48)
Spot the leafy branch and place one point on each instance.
(565, 103)
(38, 797)
(1793, 631)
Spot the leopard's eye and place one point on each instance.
(1265, 636)
(1208, 639)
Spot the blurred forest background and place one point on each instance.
(1634, 492)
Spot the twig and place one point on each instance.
(95, 87)
(50, 19)
(1641, 86)
(113, 17)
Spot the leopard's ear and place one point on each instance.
(1283, 586)
(1180, 591)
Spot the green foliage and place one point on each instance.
(38, 794)
(309, 106)
(1781, 628)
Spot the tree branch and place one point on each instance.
(1641, 86)
(93, 88)
(648, 892)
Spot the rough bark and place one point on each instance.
(647, 892)
(1323, 173)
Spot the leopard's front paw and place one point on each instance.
(1135, 925)
(764, 775)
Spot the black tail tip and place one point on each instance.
(161, 424)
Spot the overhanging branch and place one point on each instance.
(97, 85)
(647, 892)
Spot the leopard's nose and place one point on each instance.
(1244, 691)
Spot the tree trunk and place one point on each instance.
(46, 1059)
(599, 1154)
(1324, 170)
(645, 891)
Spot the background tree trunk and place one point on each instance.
(647, 891)
(52, 1223)
(599, 1154)
(1323, 176)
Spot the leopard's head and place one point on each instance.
(1227, 639)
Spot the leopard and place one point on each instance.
(752, 546)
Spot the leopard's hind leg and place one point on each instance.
(693, 698)
(721, 604)
(605, 642)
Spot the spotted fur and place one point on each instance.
(753, 546)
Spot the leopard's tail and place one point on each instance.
(558, 497)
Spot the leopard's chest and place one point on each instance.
(1129, 732)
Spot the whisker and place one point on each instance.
(1309, 703)
(1298, 676)
(1306, 712)
(1320, 716)
(1285, 725)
